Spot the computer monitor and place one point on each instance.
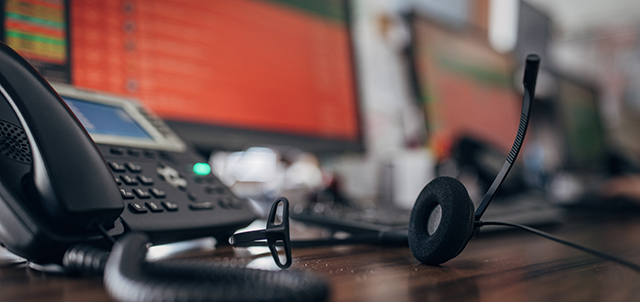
(535, 28)
(580, 125)
(39, 31)
(226, 75)
(466, 87)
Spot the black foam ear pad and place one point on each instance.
(442, 221)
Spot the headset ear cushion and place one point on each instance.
(442, 221)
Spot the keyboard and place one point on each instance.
(529, 209)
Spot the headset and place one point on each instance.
(443, 218)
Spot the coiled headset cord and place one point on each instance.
(128, 277)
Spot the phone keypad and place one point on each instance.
(139, 193)
(130, 174)
(165, 197)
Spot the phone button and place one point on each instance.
(134, 152)
(153, 207)
(116, 151)
(166, 156)
(224, 203)
(116, 167)
(170, 206)
(126, 194)
(157, 193)
(137, 208)
(128, 180)
(214, 190)
(147, 181)
(228, 203)
(149, 154)
(201, 206)
(171, 176)
(133, 167)
(141, 193)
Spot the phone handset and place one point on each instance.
(70, 183)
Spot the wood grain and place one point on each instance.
(505, 266)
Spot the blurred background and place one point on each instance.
(363, 102)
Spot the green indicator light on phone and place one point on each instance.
(201, 169)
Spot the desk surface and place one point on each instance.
(509, 266)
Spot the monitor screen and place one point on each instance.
(225, 74)
(39, 31)
(465, 86)
(582, 128)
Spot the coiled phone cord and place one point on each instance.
(128, 277)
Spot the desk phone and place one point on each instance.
(168, 191)
(79, 166)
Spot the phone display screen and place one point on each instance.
(106, 120)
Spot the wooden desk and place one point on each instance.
(511, 266)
